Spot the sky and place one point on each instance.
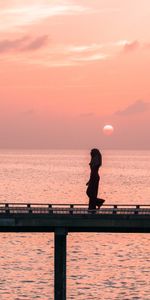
(68, 68)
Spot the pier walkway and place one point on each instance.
(74, 218)
(64, 218)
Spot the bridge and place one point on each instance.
(64, 218)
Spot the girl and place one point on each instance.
(93, 183)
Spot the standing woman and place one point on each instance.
(93, 183)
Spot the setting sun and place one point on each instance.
(108, 129)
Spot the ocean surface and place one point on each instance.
(99, 265)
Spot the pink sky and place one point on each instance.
(70, 67)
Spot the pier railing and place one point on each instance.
(73, 209)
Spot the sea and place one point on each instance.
(99, 265)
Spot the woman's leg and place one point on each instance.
(92, 203)
(99, 202)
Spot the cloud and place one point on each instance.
(137, 107)
(36, 43)
(90, 58)
(20, 14)
(24, 43)
(88, 52)
(61, 55)
(64, 55)
(131, 46)
(8, 45)
(85, 53)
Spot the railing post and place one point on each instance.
(137, 209)
(115, 209)
(71, 209)
(50, 209)
(60, 264)
(29, 208)
(7, 208)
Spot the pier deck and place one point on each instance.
(74, 218)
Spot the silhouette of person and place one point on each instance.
(93, 183)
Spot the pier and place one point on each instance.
(64, 218)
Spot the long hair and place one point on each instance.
(96, 158)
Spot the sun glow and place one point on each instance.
(108, 129)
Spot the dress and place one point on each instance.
(92, 190)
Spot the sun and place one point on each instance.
(108, 129)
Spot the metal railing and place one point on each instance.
(72, 209)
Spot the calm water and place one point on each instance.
(99, 266)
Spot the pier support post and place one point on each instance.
(60, 264)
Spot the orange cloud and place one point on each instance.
(24, 43)
(129, 47)
(36, 43)
(139, 106)
(23, 13)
